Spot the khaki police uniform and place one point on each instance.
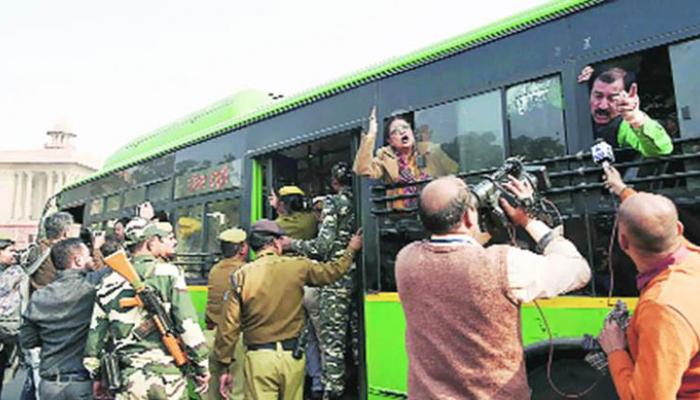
(266, 305)
(303, 225)
(218, 284)
(297, 224)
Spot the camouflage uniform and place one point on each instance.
(336, 229)
(148, 371)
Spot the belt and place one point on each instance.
(68, 377)
(287, 345)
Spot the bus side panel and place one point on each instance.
(387, 364)
(199, 301)
(567, 317)
(385, 328)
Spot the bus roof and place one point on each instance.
(249, 107)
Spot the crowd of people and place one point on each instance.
(87, 329)
(75, 310)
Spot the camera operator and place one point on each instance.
(462, 301)
(659, 355)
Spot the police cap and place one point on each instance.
(290, 190)
(233, 235)
(267, 226)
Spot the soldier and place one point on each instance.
(265, 303)
(317, 207)
(291, 215)
(168, 254)
(235, 253)
(148, 371)
(336, 228)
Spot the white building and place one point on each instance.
(29, 177)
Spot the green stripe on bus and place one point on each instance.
(387, 362)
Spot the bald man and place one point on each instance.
(659, 357)
(462, 301)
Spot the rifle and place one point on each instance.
(149, 299)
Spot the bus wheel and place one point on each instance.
(571, 374)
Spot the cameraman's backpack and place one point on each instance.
(14, 294)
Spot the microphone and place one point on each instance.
(602, 153)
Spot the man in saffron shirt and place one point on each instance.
(659, 357)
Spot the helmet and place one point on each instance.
(140, 229)
(342, 172)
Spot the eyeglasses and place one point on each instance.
(399, 129)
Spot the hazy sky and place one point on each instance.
(116, 70)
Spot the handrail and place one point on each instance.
(581, 156)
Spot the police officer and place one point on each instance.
(235, 253)
(335, 230)
(265, 303)
(148, 371)
(299, 223)
(292, 217)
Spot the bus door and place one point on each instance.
(308, 166)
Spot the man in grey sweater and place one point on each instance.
(468, 346)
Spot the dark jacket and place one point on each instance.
(58, 320)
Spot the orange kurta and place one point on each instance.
(664, 337)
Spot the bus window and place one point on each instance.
(650, 72)
(684, 61)
(189, 229)
(221, 215)
(685, 58)
(135, 196)
(76, 212)
(96, 206)
(536, 119)
(469, 131)
(160, 191)
(97, 226)
(113, 203)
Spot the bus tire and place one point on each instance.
(570, 373)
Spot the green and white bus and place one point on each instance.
(508, 89)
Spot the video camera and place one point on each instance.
(28, 256)
(490, 190)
